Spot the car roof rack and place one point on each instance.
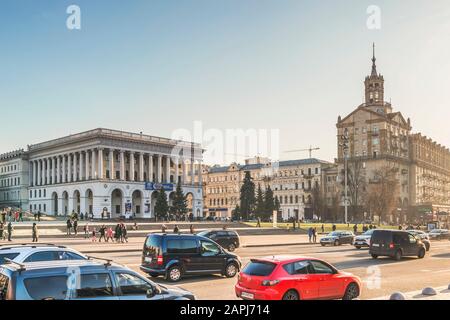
(20, 265)
(107, 263)
(33, 245)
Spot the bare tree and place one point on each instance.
(318, 204)
(356, 181)
(383, 192)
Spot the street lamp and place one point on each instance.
(344, 145)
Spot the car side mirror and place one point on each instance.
(151, 292)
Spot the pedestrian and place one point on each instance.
(10, 230)
(20, 215)
(34, 231)
(94, 235)
(75, 227)
(176, 229)
(135, 227)
(86, 230)
(102, 232)
(334, 227)
(124, 233)
(310, 234)
(69, 227)
(355, 228)
(16, 216)
(314, 235)
(109, 235)
(2, 229)
(258, 225)
(39, 215)
(81, 216)
(163, 228)
(118, 234)
(35, 216)
(191, 229)
(323, 228)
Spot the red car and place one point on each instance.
(295, 278)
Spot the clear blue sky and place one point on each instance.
(155, 66)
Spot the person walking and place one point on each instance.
(124, 233)
(323, 228)
(34, 232)
(355, 228)
(94, 235)
(163, 228)
(310, 234)
(176, 229)
(39, 215)
(102, 232)
(10, 231)
(314, 234)
(69, 227)
(20, 216)
(118, 234)
(2, 229)
(16, 216)
(191, 229)
(109, 235)
(86, 230)
(75, 227)
(334, 227)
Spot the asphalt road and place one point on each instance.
(381, 277)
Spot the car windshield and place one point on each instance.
(368, 232)
(334, 234)
(203, 233)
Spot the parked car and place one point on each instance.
(422, 236)
(92, 281)
(363, 240)
(439, 234)
(38, 252)
(295, 278)
(174, 256)
(228, 239)
(396, 244)
(337, 238)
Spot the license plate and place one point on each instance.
(247, 295)
(148, 259)
(375, 245)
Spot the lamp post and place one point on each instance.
(344, 145)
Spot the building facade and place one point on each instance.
(14, 180)
(111, 171)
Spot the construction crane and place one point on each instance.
(310, 150)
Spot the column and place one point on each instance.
(150, 168)
(82, 168)
(75, 167)
(63, 169)
(141, 167)
(192, 171)
(53, 170)
(87, 166)
(131, 166)
(69, 168)
(112, 170)
(200, 182)
(93, 164)
(58, 170)
(100, 163)
(184, 179)
(48, 170)
(122, 165)
(34, 173)
(159, 168)
(39, 172)
(167, 169)
(177, 173)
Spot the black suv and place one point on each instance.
(396, 244)
(226, 238)
(176, 255)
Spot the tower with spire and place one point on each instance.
(374, 85)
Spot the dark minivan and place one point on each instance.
(395, 244)
(228, 239)
(176, 255)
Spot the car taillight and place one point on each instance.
(391, 246)
(160, 260)
(270, 283)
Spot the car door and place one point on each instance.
(306, 282)
(133, 287)
(412, 246)
(212, 257)
(42, 256)
(330, 284)
(93, 286)
(223, 239)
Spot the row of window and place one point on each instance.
(10, 182)
(10, 196)
(39, 207)
(8, 169)
(41, 193)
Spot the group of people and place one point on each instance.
(6, 232)
(118, 235)
(10, 215)
(312, 234)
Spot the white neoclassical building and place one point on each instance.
(115, 171)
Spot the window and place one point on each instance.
(259, 268)
(95, 285)
(321, 268)
(181, 246)
(209, 249)
(47, 287)
(8, 256)
(66, 255)
(132, 285)
(42, 256)
(299, 267)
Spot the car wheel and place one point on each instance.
(231, 247)
(374, 256)
(291, 295)
(174, 274)
(358, 247)
(398, 255)
(421, 254)
(336, 243)
(352, 292)
(231, 270)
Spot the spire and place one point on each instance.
(374, 66)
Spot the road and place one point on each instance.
(381, 277)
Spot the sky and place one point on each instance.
(159, 66)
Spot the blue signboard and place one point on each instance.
(159, 186)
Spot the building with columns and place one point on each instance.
(14, 180)
(114, 171)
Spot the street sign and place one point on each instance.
(159, 186)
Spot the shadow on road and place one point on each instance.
(188, 279)
(363, 263)
(441, 255)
